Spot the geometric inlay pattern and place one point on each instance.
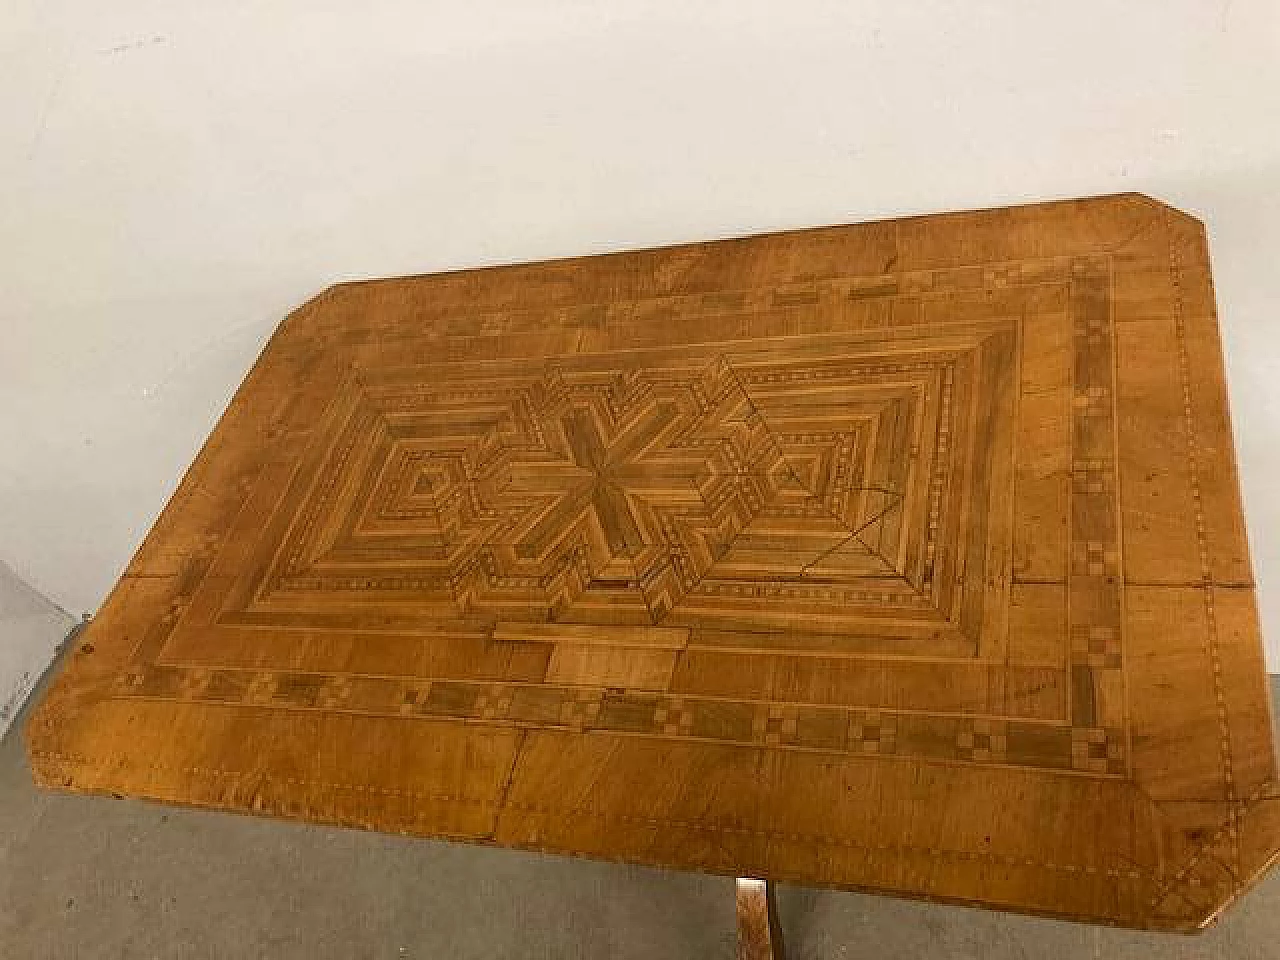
(901, 556)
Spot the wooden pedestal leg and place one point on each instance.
(759, 932)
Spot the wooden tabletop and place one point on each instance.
(904, 557)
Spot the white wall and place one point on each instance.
(174, 175)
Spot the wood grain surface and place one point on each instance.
(905, 556)
(759, 929)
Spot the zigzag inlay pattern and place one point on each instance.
(628, 490)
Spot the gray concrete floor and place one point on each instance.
(83, 878)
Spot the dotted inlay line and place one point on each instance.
(1231, 827)
(1202, 540)
(657, 822)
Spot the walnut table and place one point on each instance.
(903, 557)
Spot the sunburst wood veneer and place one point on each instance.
(904, 556)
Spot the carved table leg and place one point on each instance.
(759, 932)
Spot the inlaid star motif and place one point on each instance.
(602, 471)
